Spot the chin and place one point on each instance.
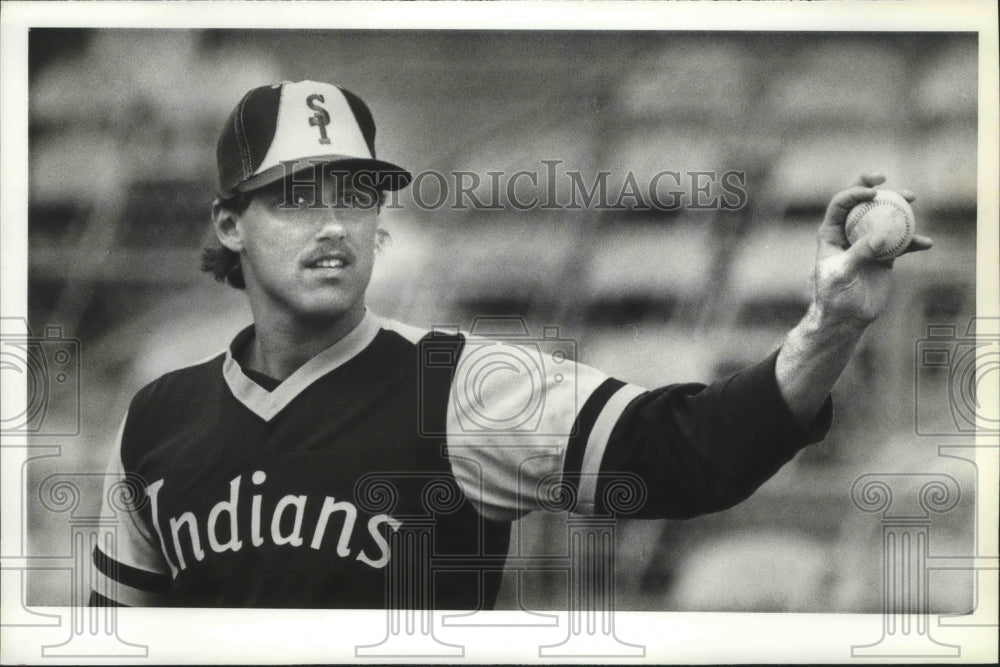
(328, 309)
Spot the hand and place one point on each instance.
(851, 285)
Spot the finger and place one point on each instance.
(831, 238)
(918, 244)
(908, 195)
(869, 179)
(844, 201)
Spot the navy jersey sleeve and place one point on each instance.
(700, 449)
(598, 445)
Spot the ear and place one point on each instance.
(227, 227)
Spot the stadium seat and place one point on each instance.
(814, 166)
(642, 291)
(520, 151)
(761, 571)
(180, 330)
(766, 292)
(946, 180)
(773, 260)
(690, 78)
(406, 280)
(648, 150)
(648, 354)
(88, 163)
(813, 91)
(948, 87)
(509, 265)
(650, 259)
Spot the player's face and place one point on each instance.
(306, 257)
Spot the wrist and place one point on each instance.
(820, 318)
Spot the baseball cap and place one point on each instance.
(292, 126)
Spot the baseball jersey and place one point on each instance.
(400, 455)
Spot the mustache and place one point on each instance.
(341, 252)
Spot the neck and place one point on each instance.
(280, 348)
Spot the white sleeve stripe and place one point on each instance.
(122, 593)
(598, 442)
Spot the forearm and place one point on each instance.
(814, 355)
(701, 448)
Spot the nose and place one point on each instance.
(330, 225)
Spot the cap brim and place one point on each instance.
(376, 173)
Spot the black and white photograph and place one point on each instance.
(585, 332)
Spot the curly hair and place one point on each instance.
(224, 264)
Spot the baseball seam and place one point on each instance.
(866, 209)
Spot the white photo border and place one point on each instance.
(260, 636)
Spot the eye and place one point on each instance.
(293, 202)
(358, 200)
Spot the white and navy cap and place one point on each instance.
(288, 127)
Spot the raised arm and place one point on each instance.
(690, 449)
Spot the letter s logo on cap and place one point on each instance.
(319, 119)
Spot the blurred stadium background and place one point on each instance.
(122, 134)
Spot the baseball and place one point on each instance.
(887, 214)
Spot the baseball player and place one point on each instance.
(328, 447)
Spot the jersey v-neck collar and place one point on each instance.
(266, 404)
